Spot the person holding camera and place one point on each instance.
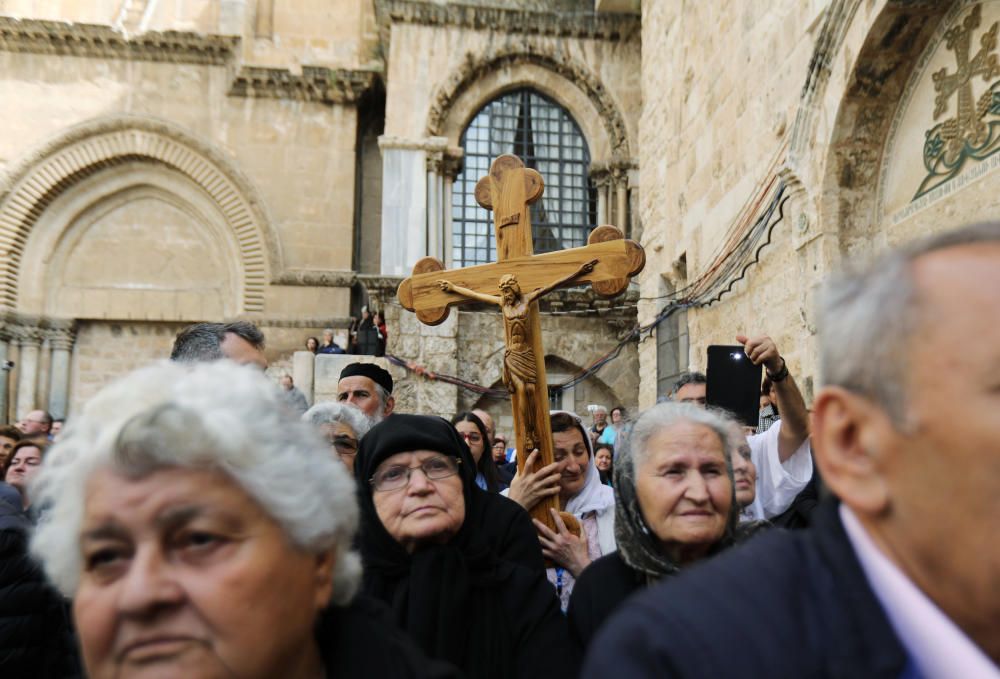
(781, 454)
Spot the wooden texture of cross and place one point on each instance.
(514, 283)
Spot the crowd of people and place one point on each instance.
(191, 521)
(366, 335)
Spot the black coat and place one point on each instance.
(510, 530)
(785, 605)
(36, 638)
(601, 588)
(361, 641)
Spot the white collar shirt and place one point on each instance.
(937, 646)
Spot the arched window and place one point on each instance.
(547, 139)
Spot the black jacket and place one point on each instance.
(36, 638)
(511, 532)
(361, 641)
(785, 605)
(601, 588)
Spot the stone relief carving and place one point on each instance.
(89, 40)
(28, 329)
(318, 279)
(974, 131)
(88, 148)
(586, 24)
(324, 85)
(546, 56)
(314, 83)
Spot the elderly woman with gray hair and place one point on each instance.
(341, 425)
(201, 531)
(675, 505)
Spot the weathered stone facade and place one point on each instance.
(164, 163)
(287, 161)
(834, 98)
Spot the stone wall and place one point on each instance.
(708, 133)
(107, 351)
(441, 70)
(183, 164)
(835, 99)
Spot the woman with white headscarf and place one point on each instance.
(574, 477)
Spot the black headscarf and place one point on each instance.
(447, 597)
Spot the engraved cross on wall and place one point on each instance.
(959, 39)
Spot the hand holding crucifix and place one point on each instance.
(609, 261)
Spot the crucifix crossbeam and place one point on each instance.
(514, 284)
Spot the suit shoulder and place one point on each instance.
(728, 597)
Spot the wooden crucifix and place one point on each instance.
(514, 283)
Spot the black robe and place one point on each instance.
(361, 641)
(508, 527)
(36, 634)
(463, 602)
(600, 589)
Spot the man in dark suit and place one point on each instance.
(900, 578)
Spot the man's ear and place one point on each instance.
(390, 403)
(849, 438)
(325, 563)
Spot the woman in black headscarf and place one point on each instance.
(430, 550)
(674, 505)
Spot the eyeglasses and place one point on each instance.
(471, 437)
(500, 444)
(345, 445)
(398, 476)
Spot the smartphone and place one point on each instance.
(733, 383)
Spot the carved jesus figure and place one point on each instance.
(520, 374)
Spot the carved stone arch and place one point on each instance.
(86, 149)
(444, 120)
(893, 34)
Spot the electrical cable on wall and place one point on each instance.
(740, 251)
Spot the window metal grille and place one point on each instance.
(547, 139)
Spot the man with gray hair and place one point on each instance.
(239, 341)
(898, 576)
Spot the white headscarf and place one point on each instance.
(594, 496)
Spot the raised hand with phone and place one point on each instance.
(762, 350)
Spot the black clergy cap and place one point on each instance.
(376, 374)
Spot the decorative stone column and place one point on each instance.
(619, 175)
(381, 289)
(435, 203)
(30, 342)
(61, 341)
(443, 165)
(601, 178)
(416, 191)
(448, 169)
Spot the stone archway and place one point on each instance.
(895, 40)
(103, 144)
(483, 77)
